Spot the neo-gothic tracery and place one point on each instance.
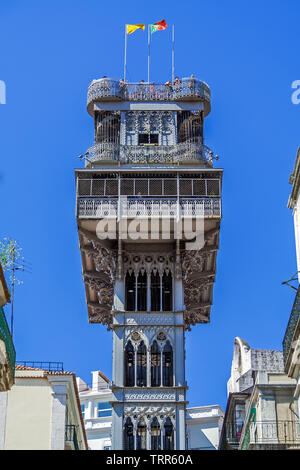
(149, 282)
(148, 366)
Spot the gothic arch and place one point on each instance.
(155, 433)
(168, 434)
(128, 433)
(129, 365)
(168, 364)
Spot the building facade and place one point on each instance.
(41, 412)
(260, 412)
(291, 340)
(96, 410)
(7, 349)
(203, 423)
(148, 210)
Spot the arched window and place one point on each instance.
(155, 435)
(155, 365)
(168, 365)
(141, 435)
(168, 435)
(130, 291)
(155, 291)
(167, 291)
(129, 365)
(142, 292)
(128, 435)
(141, 379)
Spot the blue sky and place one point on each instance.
(248, 52)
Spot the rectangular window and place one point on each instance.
(104, 409)
(83, 411)
(148, 139)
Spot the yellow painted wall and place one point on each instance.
(29, 415)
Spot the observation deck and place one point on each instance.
(187, 90)
(182, 153)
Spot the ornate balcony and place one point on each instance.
(292, 334)
(156, 154)
(231, 435)
(272, 435)
(91, 208)
(7, 355)
(107, 89)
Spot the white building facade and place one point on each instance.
(291, 340)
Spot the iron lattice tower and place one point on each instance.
(147, 170)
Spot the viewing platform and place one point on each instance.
(108, 89)
(182, 153)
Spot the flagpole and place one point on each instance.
(173, 54)
(148, 53)
(125, 54)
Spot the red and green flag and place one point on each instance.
(158, 26)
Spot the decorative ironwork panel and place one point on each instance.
(108, 88)
(185, 187)
(98, 187)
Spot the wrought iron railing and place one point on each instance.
(231, 434)
(180, 153)
(186, 89)
(273, 432)
(169, 208)
(6, 337)
(71, 435)
(291, 328)
(45, 365)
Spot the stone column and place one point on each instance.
(58, 415)
(117, 427)
(118, 357)
(149, 366)
(179, 433)
(148, 292)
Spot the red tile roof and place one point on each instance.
(104, 377)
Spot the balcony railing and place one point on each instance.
(292, 327)
(231, 435)
(107, 89)
(131, 208)
(6, 337)
(273, 432)
(71, 435)
(159, 154)
(47, 366)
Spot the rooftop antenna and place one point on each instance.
(293, 279)
(16, 266)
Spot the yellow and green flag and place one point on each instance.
(131, 28)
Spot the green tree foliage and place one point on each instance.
(11, 257)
